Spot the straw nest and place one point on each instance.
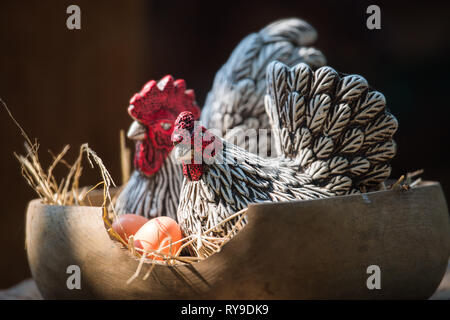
(67, 192)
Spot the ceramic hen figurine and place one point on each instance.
(235, 101)
(334, 134)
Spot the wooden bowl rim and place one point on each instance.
(422, 185)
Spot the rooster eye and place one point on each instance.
(166, 125)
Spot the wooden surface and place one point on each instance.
(443, 292)
(27, 290)
(406, 233)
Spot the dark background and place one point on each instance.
(71, 87)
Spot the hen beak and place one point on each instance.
(137, 131)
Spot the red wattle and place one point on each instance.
(148, 159)
(193, 172)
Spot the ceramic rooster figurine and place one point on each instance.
(235, 101)
(333, 132)
(154, 187)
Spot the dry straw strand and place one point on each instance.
(67, 192)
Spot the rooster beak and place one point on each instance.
(137, 131)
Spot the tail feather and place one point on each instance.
(294, 30)
(336, 128)
(236, 100)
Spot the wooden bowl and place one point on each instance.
(318, 249)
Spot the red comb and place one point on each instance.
(185, 121)
(167, 94)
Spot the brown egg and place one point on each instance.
(158, 233)
(128, 224)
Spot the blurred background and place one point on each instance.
(73, 86)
